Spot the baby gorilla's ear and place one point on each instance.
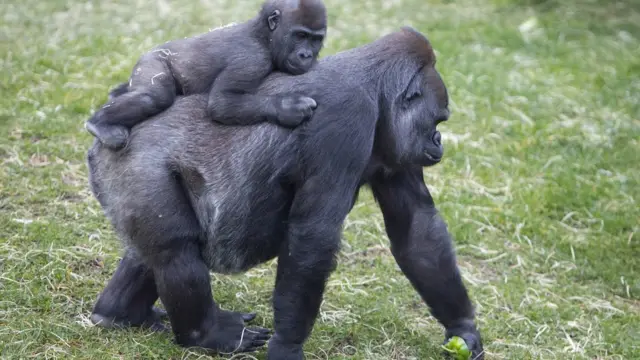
(273, 20)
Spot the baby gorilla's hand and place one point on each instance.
(292, 110)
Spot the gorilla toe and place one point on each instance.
(246, 317)
(253, 338)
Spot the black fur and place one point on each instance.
(227, 63)
(191, 196)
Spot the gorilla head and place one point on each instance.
(415, 101)
(298, 29)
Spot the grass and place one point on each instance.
(540, 184)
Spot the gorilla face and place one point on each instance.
(430, 104)
(410, 135)
(298, 34)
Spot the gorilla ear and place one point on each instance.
(273, 20)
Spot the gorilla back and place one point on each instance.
(238, 187)
(189, 196)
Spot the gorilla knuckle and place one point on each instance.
(309, 102)
(294, 109)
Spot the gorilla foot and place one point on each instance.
(229, 335)
(153, 321)
(251, 340)
(112, 136)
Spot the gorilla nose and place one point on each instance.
(443, 115)
(304, 55)
(437, 138)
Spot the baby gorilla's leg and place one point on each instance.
(151, 90)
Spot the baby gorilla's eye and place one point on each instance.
(317, 39)
(300, 35)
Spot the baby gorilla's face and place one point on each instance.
(302, 48)
(298, 36)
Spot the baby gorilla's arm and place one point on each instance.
(232, 100)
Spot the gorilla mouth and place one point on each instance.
(293, 69)
(432, 158)
(434, 152)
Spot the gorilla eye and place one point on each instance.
(412, 95)
(301, 35)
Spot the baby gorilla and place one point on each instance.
(229, 63)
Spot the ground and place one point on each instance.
(539, 185)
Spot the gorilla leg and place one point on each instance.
(128, 298)
(298, 293)
(162, 226)
(151, 90)
(184, 287)
(430, 265)
(122, 88)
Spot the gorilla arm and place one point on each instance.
(304, 264)
(233, 99)
(422, 247)
(322, 199)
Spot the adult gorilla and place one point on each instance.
(188, 196)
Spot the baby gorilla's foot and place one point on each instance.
(112, 136)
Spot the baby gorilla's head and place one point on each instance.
(298, 29)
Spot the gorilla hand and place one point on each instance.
(292, 110)
(468, 332)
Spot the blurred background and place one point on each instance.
(539, 185)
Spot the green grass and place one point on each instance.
(539, 186)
